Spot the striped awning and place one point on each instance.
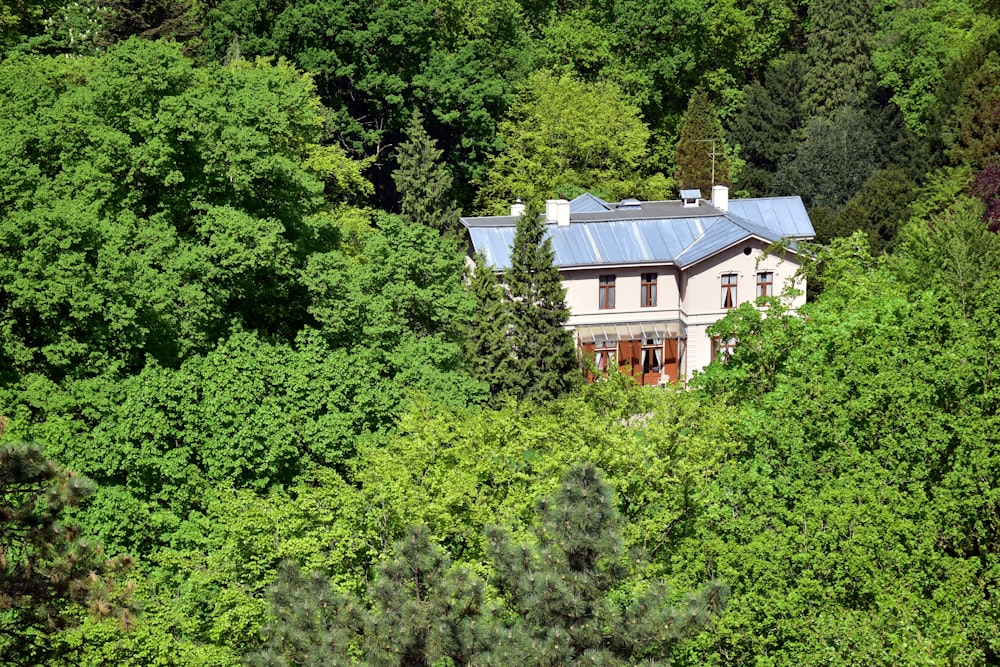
(603, 333)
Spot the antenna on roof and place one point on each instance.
(713, 154)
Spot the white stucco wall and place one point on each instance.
(694, 296)
(582, 290)
(702, 298)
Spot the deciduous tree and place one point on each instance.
(564, 136)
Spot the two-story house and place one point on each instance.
(644, 280)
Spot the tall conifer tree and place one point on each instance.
(838, 51)
(545, 356)
(491, 358)
(701, 147)
(423, 182)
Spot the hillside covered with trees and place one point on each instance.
(256, 409)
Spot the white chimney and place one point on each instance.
(557, 211)
(517, 208)
(720, 197)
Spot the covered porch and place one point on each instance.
(651, 352)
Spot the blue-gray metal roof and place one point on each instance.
(658, 232)
(786, 215)
(588, 203)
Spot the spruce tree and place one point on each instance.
(545, 362)
(565, 589)
(491, 357)
(768, 127)
(423, 182)
(701, 146)
(838, 50)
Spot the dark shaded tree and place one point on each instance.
(177, 20)
(973, 134)
(701, 146)
(879, 209)
(838, 51)
(48, 571)
(545, 356)
(986, 186)
(769, 125)
(835, 159)
(563, 588)
(491, 358)
(423, 181)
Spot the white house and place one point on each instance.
(644, 280)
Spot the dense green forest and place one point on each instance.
(254, 408)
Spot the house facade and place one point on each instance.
(645, 280)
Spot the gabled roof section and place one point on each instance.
(653, 233)
(588, 203)
(723, 233)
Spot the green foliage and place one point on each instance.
(834, 160)
(971, 133)
(150, 206)
(425, 609)
(195, 314)
(762, 339)
(423, 182)
(918, 45)
(565, 136)
(852, 519)
(48, 571)
(702, 159)
(174, 20)
(397, 305)
(544, 355)
(256, 411)
(767, 128)
(312, 624)
(490, 355)
(458, 472)
(879, 209)
(375, 64)
(941, 189)
(838, 51)
(561, 588)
